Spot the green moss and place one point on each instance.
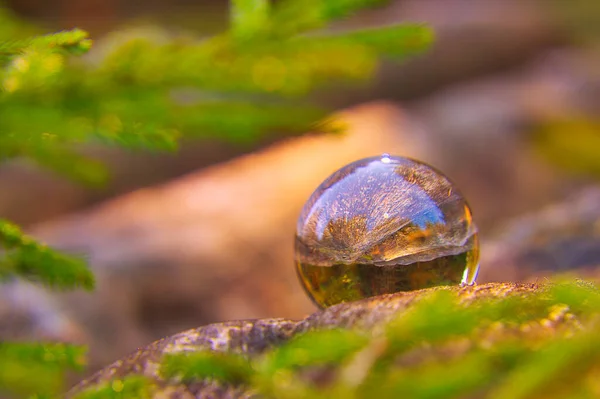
(133, 387)
(518, 347)
(199, 365)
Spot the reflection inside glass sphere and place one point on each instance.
(382, 225)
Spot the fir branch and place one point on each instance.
(74, 41)
(51, 354)
(238, 122)
(297, 16)
(12, 27)
(48, 105)
(289, 68)
(396, 40)
(335, 9)
(249, 17)
(66, 162)
(17, 379)
(24, 258)
(36, 368)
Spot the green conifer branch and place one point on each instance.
(249, 17)
(298, 16)
(397, 41)
(51, 354)
(11, 27)
(74, 41)
(132, 96)
(236, 120)
(36, 368)
(25, 258)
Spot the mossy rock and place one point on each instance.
(488, 340)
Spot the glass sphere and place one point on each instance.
(382, 225)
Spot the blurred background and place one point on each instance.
(506, 103)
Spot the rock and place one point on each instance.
(517, 31)
(560, 238)
(247, 337)
(28, 312)
(371, 313)
(480, 133)
(253, 337)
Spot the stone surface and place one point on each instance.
(246, 337)
(371, 313)
(253, 337)
(560, 238)
(29, 313)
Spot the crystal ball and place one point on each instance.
(382, 225)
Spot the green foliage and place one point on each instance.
(249, 17)
(70, 42)
(19, 362)
(544, 372)
(146, 91)
(27, 369)
(12, 28)
(313, 350)
(293, 17)
(438, 348)
(580, 19)
(189, 366)
(134, 387)
(23, 257)
(433, 319)
(571, 144)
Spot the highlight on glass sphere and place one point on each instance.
(382, 225)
